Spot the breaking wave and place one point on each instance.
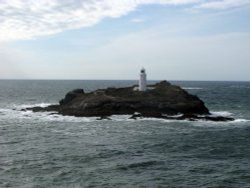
(17, 113)
(241, 120)
(221, 113)
(23, 106)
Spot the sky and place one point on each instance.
(114, 39)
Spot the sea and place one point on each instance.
(43, 150)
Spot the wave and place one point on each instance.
(32, 105)
(241, 120)
(221, 113)
(173, 116)
(141, 164)
(17, 113)
(28, 115)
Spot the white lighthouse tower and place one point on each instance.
(143, 80)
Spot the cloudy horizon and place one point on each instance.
(110, 39)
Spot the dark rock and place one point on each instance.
(218, 118)
(79, 91)
(163, 83)
(161, 98)
(53, 113)
(36, 109)
(70, 96)
(136, 116)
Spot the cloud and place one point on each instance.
(137, 20)
(223, 4)
(22, 20)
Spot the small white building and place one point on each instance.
(143, 80)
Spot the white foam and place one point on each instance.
(127, 118)
(121, 118)
(241, 120)
(32, 105)
(221, 113)
(54, 117)
(61, 118)
(41, 116)
(173, 116)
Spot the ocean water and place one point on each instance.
(44, 150)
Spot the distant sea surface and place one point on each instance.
(44, 150)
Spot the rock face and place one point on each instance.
(70, 96)
(161, 100)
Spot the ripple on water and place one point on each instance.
(140, 165)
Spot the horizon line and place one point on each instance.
(152, 80)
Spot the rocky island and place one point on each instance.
(161, 100)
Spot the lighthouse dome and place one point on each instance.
(143, 70)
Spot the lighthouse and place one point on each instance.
(143, 80)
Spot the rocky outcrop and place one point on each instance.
(161, 100)
(70, 96)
